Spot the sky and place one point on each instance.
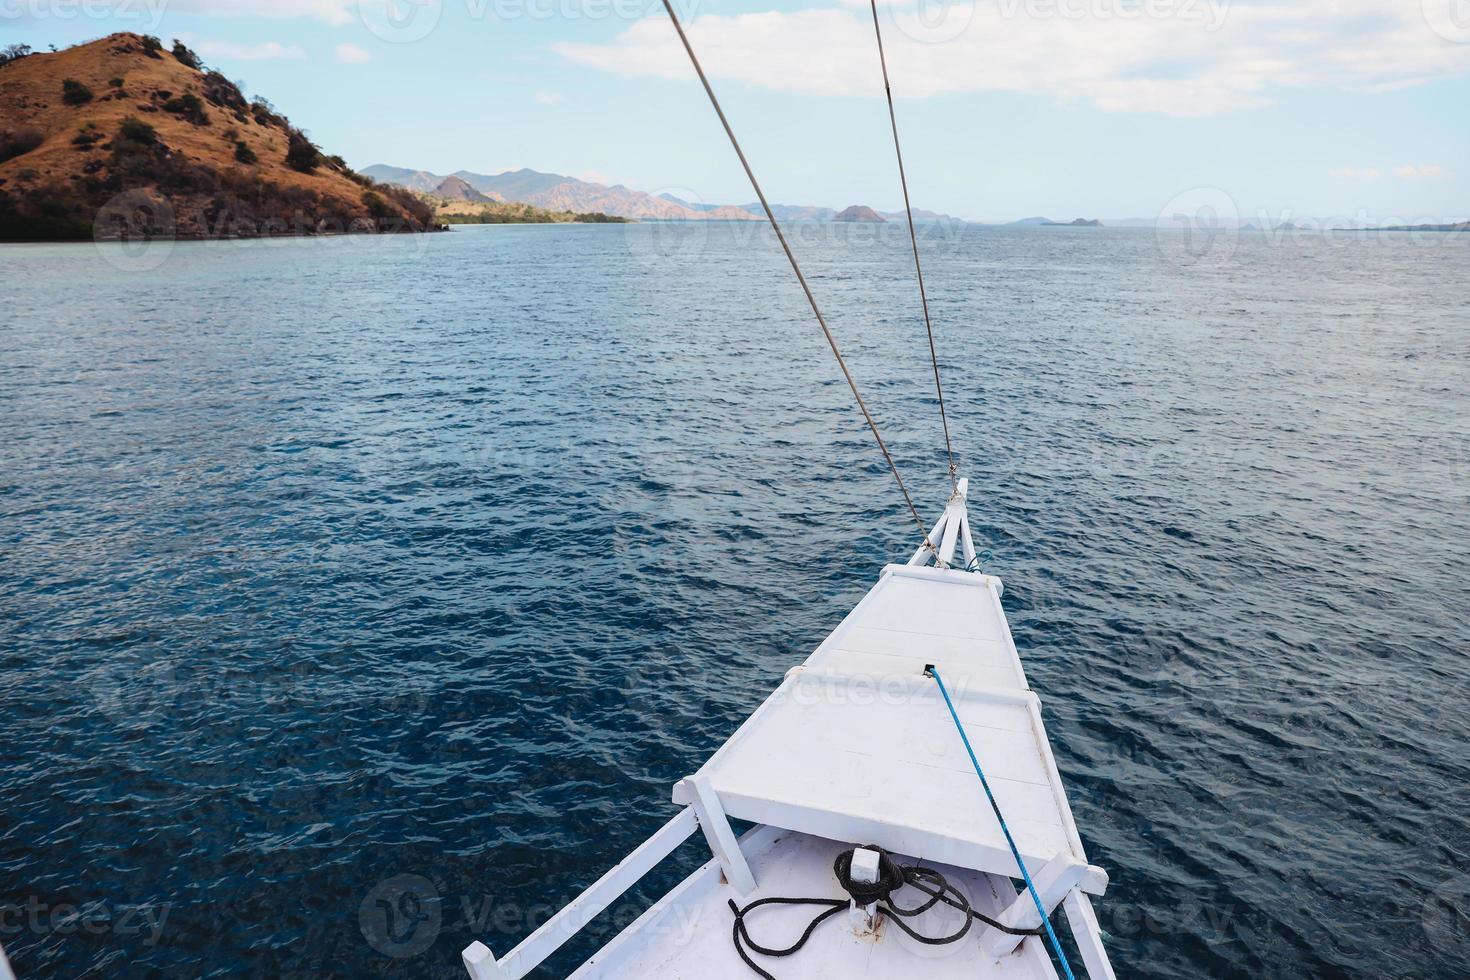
(1277, 110)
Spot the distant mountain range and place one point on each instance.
(557, 192)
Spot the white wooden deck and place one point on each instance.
(687, 934)
(857, 744)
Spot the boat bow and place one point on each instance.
(857, 747)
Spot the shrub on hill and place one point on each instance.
(245, 154)
(151, 46)
(302, 154)
(188, 107)
(137, 131)
(14, 143)
(418, 209)
(186, 57)
(13, 52)
(377, 207)
(74, 92)
(88, 136)
(220, 91)
(265, 114)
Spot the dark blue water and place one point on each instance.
(327, 563)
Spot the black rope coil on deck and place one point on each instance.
(892, 876)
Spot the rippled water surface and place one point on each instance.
(331, 562)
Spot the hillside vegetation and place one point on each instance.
(125, 137)
(462, 213)
(455, 202)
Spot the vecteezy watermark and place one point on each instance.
(1201, 225)
(682, 239)
(939, 21)
(933, 21)
(401, 916)
(400, 21)
(1450, 19)
(674, 240)
(97, 918)
(1208, 921)
(1211, 13)
(142, 691)
(137, 230)
(407, 21)
(1446, 918)
(148, 13)
(808, 689)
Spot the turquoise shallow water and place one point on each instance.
(364, 597)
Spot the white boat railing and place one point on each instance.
(533, 951)
(703, 813)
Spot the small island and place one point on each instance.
(1076, 223)
(860, 212)
(1462, 226)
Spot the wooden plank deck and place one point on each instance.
(686, 936)
(857, 744)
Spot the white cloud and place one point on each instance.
(351, 54)
(266, 51)
(1432, 171)
(1349, 173)
(1178, 57)
(549, 98)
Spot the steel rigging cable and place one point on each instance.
(908, 208)
(796, 268)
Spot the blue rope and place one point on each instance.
(1045, 919)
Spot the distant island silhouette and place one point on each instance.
(859, 212)
(1462, 226)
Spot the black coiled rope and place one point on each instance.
(892, 876)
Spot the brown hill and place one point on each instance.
(123, 138)
(859, 212)
(454, 189)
